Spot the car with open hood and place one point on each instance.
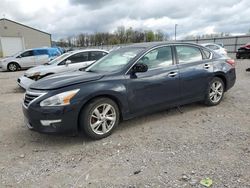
(243, 52)
(69, 61)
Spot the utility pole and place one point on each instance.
(175, 28)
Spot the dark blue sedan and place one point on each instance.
(126, 83)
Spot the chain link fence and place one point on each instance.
(231, 43)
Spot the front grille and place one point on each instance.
(29, 97)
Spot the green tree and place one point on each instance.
(149, 36)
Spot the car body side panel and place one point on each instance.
(226, 71)
(153, 88)
(41, 59)
(115, 89)
(26, 62)
(194, 79)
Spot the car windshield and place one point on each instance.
(59, 58)
(115, 60)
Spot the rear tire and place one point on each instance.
(13, 67)
(99, 118)
(215, 92)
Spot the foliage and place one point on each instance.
(121, 35)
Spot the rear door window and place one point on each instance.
(187, 54)
(160, 57)
(96, 55)
(79, 57)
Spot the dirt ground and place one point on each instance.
(166, 149)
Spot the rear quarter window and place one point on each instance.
(207, 54)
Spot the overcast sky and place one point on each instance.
(63, 18)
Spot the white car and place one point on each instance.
(217, 48)
(70, 61)
(29, 58)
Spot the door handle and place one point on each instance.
(172, 74)
(206, 66)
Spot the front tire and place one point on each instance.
(13, 67)
(99, 118)
(215, 92)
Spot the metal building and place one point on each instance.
(15, 37)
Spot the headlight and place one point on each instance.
(3, 61)
(60, 99)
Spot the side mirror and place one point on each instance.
(18, 56)
(67, 62)
(140, 67)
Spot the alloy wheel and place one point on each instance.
(102, 119)
(12, 67)
(216, 91)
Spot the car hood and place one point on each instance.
(65, 79)
(41, 69)
(7, 59)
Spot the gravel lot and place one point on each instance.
(166, 149)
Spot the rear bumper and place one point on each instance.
(231, 78)
(24, 82)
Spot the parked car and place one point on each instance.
(220, 44)
(243, 52)
(217, 48)
(69, 61)
(29, 58)
(126, 83)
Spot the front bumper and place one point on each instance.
(24, 82)
(51, 119)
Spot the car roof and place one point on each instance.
(88, 50)
(147, 45)
(42, 48)
(204, 44)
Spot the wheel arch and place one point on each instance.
(110, 96)
(19, 66)
(222, 76)
(13, 62)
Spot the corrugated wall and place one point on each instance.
(32, 38)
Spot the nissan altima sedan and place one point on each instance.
(126, 83)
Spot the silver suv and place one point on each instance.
(29, 58)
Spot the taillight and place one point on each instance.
(231, 62)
